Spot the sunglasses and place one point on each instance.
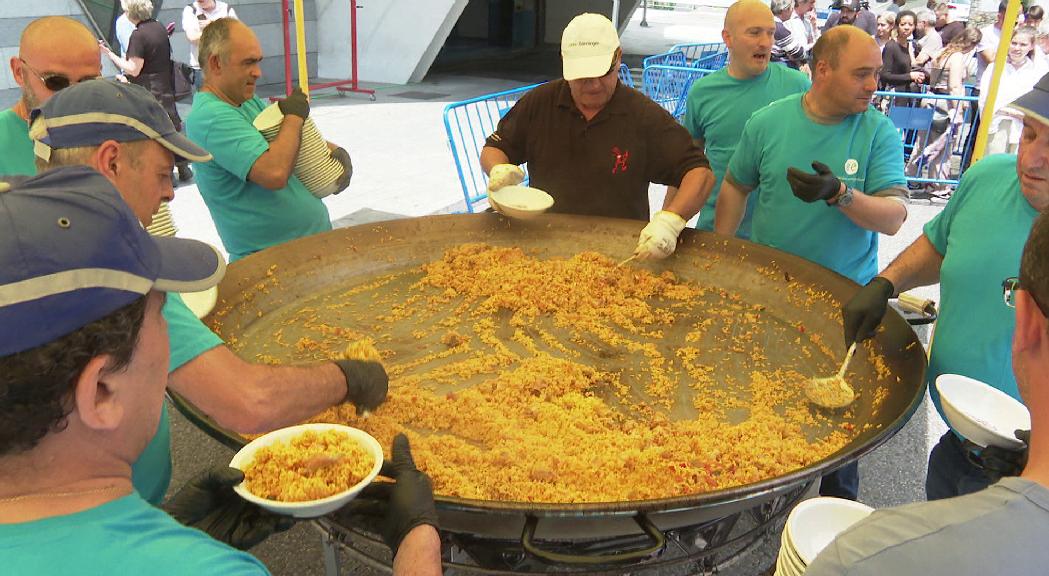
(1009, 288)
(55, 82)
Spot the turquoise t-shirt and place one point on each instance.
(981, 234)
(17, 148)
(864, 151)
(248, 217)
(718, 108)
(123, 537)
(189, 338)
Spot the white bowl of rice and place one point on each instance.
(279, 477)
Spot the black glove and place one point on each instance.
(823, 185)
(366, 383)
(863, 313)
(343, 157)
(296, 104)
(1000, 462)
(400, 506)
(209, 503)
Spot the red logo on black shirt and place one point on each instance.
(622, 159)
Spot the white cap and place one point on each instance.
(587, 46)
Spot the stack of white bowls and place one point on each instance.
(315, 167)
(811, 526)
(162, 224)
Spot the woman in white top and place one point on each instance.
(1020, 75)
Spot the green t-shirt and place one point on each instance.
(125, 536)
(189, 338)
(981, 234)
(718, 108)
(864, 151)
(248, 217)
(17, 148)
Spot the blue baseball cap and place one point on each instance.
(91, 112)
(72, 252)
(1035, 103)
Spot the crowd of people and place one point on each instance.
(797, 161)
(927, 51)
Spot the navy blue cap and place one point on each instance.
(91, 112)
(72, 252)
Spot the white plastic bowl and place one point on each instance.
(982, 413)
(309, 508)
(521, 202)
(201, 303)
(815, 523)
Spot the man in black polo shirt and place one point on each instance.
(595, 145)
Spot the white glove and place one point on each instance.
(659, 239)
(504, 175)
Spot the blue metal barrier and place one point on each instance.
(697, 51)
(712, 62)
(468, 124)
(625, 75)
(668, 86)
(935, 129)
(671, 58)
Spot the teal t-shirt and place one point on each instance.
(864, 151)
(718, 108)
(124, 537)
(247, 216)
(17, 148)
(189, 338)
(981, 234)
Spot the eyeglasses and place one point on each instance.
(53, 81)
(1009, 288)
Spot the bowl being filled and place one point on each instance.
(522, 202)
(816, 522)
(282, 475)
(982, 413)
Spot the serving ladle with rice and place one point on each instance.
(832, 391)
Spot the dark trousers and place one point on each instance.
(950, 472)
(842, 483)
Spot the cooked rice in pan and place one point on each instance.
(575, 389)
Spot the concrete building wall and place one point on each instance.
(473, 23)
(397, 39)
(559, 14)
(262, 15)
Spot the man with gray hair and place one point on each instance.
(121, 131)
(929, 42)
(249, 186)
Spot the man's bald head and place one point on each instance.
(53, 46)
(744, 11)
(834, 42)
(58, 34)
(845, 65)
(748, 34)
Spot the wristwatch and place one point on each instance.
(842, 200)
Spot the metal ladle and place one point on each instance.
(833, 391)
